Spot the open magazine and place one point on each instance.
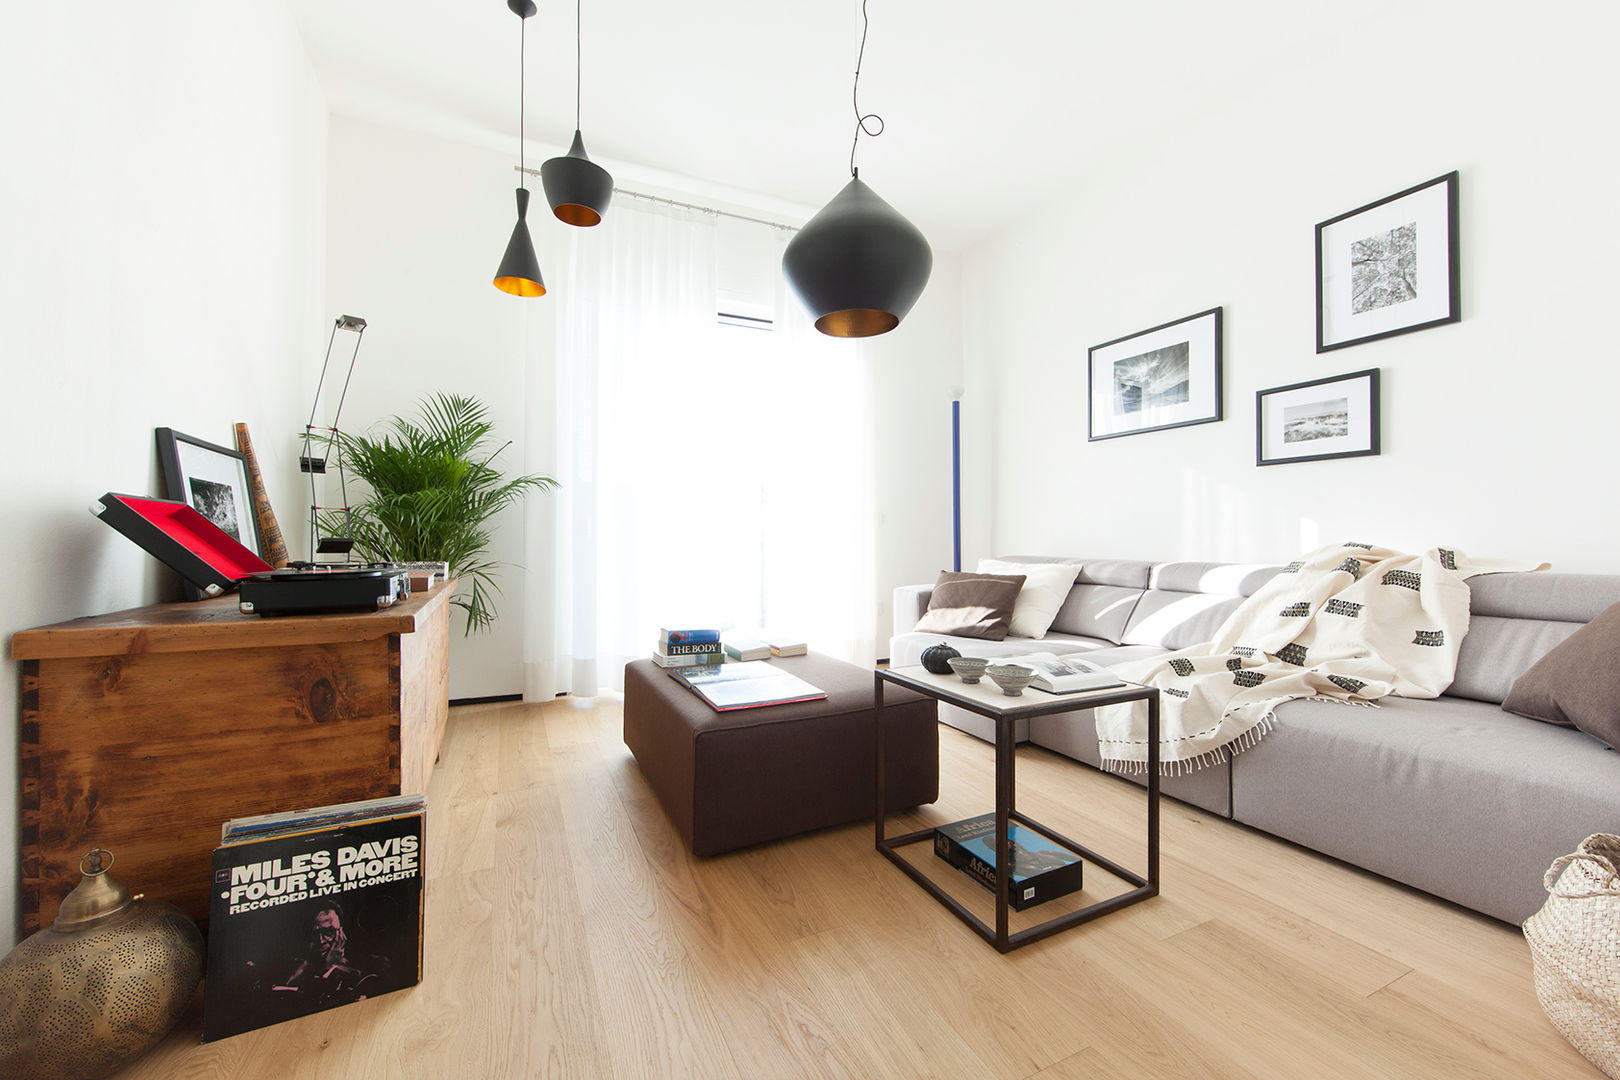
(746, 685)
(1064, 674)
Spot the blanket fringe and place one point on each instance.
(1187, 766)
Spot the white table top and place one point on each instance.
(986, 697)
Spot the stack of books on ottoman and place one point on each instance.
(688, 648)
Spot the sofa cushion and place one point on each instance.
(1097, 611)
(1516, 619)
(1576, 598)
(1577, 684)
(1046, 586)
(1498, 650)
(1455, 797)
(1227, 579)
(1175, 620)
(971, 605)
(1187, 602)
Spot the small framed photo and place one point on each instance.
(212, 480)
(1312, 421)
(1389, 267)
(1169, 376)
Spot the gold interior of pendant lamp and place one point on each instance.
(575, 214)
(520, 286)
(857, 322)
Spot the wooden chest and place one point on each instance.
(144, 730)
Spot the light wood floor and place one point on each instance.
(570, 934)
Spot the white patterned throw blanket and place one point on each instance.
(1349, 622)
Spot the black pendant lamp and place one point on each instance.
(519, 272)
(858, 266)
(577, 188)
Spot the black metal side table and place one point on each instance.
(986, 699)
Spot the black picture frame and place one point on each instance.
(1300, 422)
(212, 480)
(1374, 261)
(1120, 401)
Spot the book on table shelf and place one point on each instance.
(1042, 869)
(746, 685)
(313, 909)
(1064, 674)
(698, 659)
(747, 649)
(667, 636)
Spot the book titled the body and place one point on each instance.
(685, 648)
(667, 636)
(708, 659)
(1042, 869)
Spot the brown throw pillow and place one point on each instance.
(1578, 683)
(972, 605)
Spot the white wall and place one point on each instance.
(918, 367)
(417, 226)
(160, 266)
(1498, 436)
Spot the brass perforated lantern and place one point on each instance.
(101, 986)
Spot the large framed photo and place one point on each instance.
(1312, 421)
(212, 480)
(1169, 376)
(1389, 267)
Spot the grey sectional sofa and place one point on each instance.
(1452, 795)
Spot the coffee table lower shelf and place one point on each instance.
(1001, 936)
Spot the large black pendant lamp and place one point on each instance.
(519, 272)
(577, 188)
(858, 266)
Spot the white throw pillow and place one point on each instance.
(1046, 586)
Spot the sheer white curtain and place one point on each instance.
(710, 475)
(635, 301)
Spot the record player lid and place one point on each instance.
(180, 537)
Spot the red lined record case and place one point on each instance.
(182, 539)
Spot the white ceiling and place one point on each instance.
(989, 108)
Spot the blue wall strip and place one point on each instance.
(956, 480)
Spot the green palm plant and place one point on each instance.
(433, 492)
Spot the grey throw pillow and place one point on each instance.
(1577, 684)
(972, 605)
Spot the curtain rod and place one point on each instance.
(682, 205)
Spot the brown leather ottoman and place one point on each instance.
(730, 779)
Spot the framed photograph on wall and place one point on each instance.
(1389, 267)
(1335, 417)
(212, 480)
(1169, 376)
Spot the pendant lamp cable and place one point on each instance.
(523, 67)
(855, 98)
(577, 62)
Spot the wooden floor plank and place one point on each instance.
(571, 934)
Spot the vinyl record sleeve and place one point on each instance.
(310, 921)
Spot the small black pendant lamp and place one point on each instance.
(858, 266)
(519, 272)
(577, 188)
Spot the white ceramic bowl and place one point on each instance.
(1012, 678)
(969, 667)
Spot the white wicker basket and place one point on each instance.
(1575, 943)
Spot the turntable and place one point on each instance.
(315, 588)
(213, 561)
